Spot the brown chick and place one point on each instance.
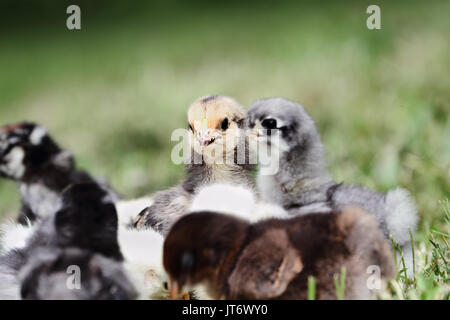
(218, 154)
(273, 259)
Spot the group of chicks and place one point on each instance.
(219, 234)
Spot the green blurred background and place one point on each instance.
(113, 91)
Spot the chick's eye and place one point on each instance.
(269, 124)
(190, 127)
(187, 260)
(224, 124)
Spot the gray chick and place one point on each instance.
(302, 183)
(219, 153)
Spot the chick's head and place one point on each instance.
(215, 126)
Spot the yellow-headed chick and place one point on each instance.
(219, 153)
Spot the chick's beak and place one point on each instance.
(174, 289)
(253, 133)
(176, 292)
(186, 296)
(206, 141)
(205, 138)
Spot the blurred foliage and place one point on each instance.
(114, 91)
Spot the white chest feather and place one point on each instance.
(142, 251)
(41, 200)
(14, 236)
(14, 166)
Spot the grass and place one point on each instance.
(431, 276)
(311, 288)
(340, 284)
(114, 91)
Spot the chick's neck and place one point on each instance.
(209, 173)
(303, 177)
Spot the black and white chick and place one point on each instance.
(82, 233)
(46, 276)
(302, 183)
(32, 158)
(219, 153)
(87, 222)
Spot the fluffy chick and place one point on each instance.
(273, 259)
(142, 250)
(128, 209)
(235, 200)
(302, 184)
(84, 231)
(219, 153)
(87, 220)
(45, 276)
(31, 157)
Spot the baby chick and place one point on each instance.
(30, 156)
(273, 258)
(302, 184)
(46, 276)
(219, 153)
(84, 231)
(87, 221)
(235, 200)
